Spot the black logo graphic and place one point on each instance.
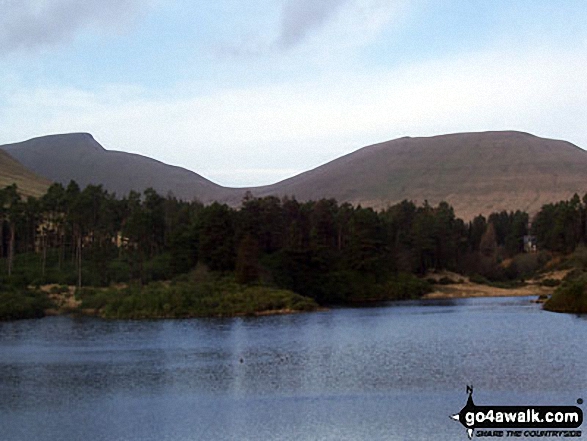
(517, 417)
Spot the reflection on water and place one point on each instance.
(393, 372)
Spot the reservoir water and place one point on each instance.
(393, 372)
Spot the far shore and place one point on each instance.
(466, 288)
(66, 303)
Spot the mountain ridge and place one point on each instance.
(499, 170)
(79, 157)
(476, 172)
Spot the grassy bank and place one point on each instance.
(452, 286)
(569, 297)
(200, 293)
(22, 303)
(184, 299)
(571, 294)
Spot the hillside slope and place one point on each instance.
(477, 173)
(13, 172)
(474, 172)
(79, 157)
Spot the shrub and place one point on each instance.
(570, 296)
(22, 304)
(526, 265)
(446, 281)
(550, 282)
(478, 278)
(405, 286)
(209, 298)
(573, 274)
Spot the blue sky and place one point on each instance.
(249, 93)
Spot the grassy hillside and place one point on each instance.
(13, 172)
(475, 172)
(80, 157)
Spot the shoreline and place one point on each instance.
(495, 292)
(468, 289)
(66, 303)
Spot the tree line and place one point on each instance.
(323, 249)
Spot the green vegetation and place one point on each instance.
(550, 282)
(401, 286)
(183, 299)
(22, 303)
(446, 281)
(259, 255)
(571, 297)
(507, 284)
(405, 287)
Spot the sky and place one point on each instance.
(250, 93)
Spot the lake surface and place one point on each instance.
(393, 372)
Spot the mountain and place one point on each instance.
(477, 173)
(79, 157)
(13, 172)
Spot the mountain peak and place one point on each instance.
(475, 172)
(79, 157)
(68, 141)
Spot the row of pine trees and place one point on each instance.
(91, 237)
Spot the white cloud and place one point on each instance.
(28, 24)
